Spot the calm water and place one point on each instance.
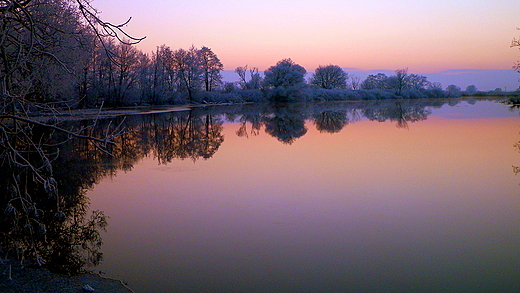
(393, 197)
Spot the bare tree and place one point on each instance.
(354, 82)
(416, 82)
(256, 79)
(378, 81)
(186, 65)
(241, 71)
(211, 67)
(126, 61)
(399, 81)
(516, 43)
(44, 46)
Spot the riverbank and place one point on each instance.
(18, 279)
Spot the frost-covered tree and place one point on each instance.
(453, 91)
(285, 73)
(330, 77)
(435, 86)
(127, 58)
(43, 46)
(354, 82)
(255, 79)
(378, 81)
(471, 90)
(241, 71)
(399, 81)
(210, 67)
(417, 82)
(162, 76)
(187, 71)
(143, 73)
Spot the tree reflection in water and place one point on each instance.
(287, 123)
(48, 221)
(187, 136)
(45, 218)
(331, 121)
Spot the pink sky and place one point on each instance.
(425, 36)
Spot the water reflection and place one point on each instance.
(399, 113)
(184, 136)
(46, 215)
(331, 121)
(286, 123)
(50, 223)
(516, 169)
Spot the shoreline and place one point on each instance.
(30, 279)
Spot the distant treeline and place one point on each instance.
(58, 55)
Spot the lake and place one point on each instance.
(397, 196)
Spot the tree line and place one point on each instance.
(55, 51)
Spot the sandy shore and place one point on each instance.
(17, 279)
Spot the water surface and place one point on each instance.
(386, 197)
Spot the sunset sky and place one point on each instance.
(425, 36)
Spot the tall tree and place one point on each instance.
(399, 81)
(211, 67)
(126, 63)
(186, 66)
(241, 71)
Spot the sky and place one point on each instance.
(427, 37)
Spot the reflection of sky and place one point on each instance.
(373, 207)
(475, 109)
